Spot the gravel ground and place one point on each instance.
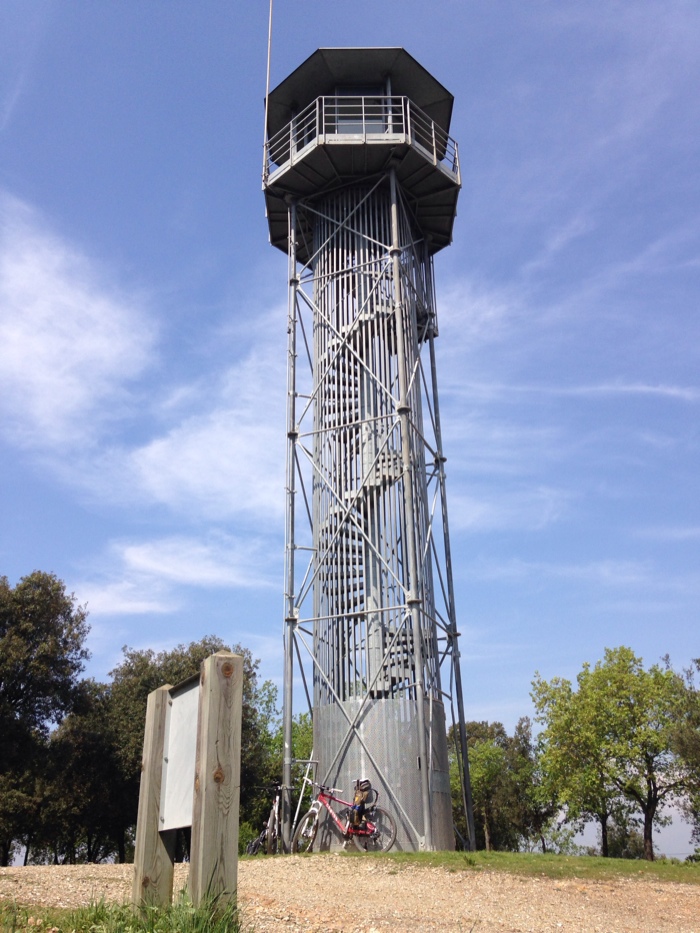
(331, 893)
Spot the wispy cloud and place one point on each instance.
(602, 572)
(70, 342)
(218, 561)
(671, 533)
(485, 391)
(125, 597)
(528, 509)
(228, 458)
(150, 577)
(23, 29)
(557, 241)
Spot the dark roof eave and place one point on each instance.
(326, 68)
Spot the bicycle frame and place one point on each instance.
(270, 836)
(324, 797)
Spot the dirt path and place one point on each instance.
(326, 894)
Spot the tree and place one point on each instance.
(490, 791)
(42, 634)
(611, 742)
(535, 802)
(83, 793)
(686, 743)
(511, 804)
(569, 756)
(491, 796)
(625, 840)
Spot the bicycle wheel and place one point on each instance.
(305, 834)
(271, 834)
(253, 847)
(384, 835)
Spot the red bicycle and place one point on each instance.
(375, 833)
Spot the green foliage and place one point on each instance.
(246, 834)
(82, 788)
(512, 808)
(535, 802)
(492, 795)
(302, 750)
(686, 744)
(41, 656)
(608, 746)
(41, 652)
(625, 840)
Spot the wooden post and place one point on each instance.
(214, 849)
(154, 851)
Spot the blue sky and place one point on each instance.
(143, 330)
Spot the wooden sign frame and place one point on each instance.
(215, 785)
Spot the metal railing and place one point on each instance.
(361, 119)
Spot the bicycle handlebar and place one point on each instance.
(330, 790)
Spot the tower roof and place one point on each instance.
(326, 69)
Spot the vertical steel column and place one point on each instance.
(454, 635)
(291, 612)
(414, 598)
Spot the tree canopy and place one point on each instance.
(512, 807)
(686, 744)
(610, 743)
(42, 654)
(42, 635)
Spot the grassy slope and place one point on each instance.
(550, 866)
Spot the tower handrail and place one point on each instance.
(396, 118)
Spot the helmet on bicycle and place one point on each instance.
(364, 785)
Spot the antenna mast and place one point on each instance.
(267, 93)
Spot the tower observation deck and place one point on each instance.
(361, 179)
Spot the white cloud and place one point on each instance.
(670, 533)
(69, 342)
(22, 33)
(531, 509)
(558, 240)
(223, 462)
(490, 391)
(471, 314)
(149, 577)
(602, 572)
(219, 561)
(125, 597)
(69, 345)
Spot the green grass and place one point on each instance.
(181, 917)
(531, 864)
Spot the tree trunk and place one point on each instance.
(543, 843)
(603, 820)
(487, 834)
(648, 838)
(5, 849)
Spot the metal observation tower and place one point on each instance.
(361, 181)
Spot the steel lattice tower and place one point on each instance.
(361, 181)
